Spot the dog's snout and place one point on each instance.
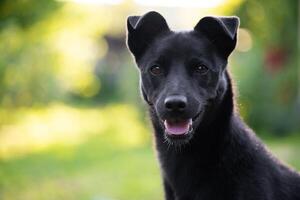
(175, 103)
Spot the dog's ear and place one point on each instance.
(222, 31)
(142, 30)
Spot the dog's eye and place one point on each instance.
(201, 69)
(156, 70)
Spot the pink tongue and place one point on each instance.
(177, 128)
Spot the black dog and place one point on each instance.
(205, 150)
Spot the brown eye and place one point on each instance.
(201, 69)
(156, 70)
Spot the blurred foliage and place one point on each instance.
(26, 75)
(25, 13)
(267, 74)
(49, 51)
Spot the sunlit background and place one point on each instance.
(72, 124)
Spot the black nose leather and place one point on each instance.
(175, 103)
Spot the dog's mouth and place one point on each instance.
(178, 127)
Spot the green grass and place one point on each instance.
(286, 149)
(96, 169)
(103, 166)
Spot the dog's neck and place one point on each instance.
(208, 138)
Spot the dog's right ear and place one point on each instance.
(142, 30)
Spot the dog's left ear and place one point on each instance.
(142, 30)
(222, 31)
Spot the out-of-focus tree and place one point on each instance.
(25, 67)
(268, 87)
(49, 50)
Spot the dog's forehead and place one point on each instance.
(182, 44)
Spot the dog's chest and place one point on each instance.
(193, 179)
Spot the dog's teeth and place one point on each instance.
(190, 129)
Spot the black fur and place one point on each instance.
(221, 159)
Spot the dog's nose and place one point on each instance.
(175, 103)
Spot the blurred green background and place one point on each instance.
(72, 124)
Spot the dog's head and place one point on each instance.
(182, 73)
